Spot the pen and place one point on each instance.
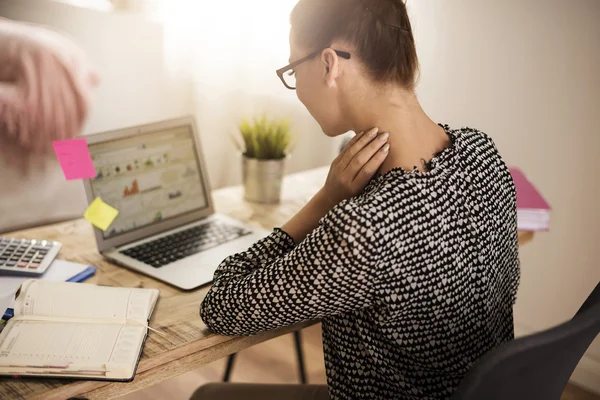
(8, 314)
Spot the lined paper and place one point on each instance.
(76, 300)
(59, 345)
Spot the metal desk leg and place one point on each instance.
(300, 356)
(229, 367)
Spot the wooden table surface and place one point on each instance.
(189, 342)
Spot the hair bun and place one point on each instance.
(378, 31)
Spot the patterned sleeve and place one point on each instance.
(276, 283)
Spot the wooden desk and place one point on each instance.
(190, 344)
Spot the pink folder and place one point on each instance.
(527, 195)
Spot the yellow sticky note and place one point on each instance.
(100, 214)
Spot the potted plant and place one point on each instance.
(267, 143)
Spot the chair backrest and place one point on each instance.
(536, 366)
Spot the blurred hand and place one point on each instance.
(354, 167)
(45, 88)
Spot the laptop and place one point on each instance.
(167, 228)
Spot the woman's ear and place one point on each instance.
(331, 62)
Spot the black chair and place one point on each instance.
(535, 367)
(299, 357)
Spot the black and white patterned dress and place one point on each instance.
(414, 279)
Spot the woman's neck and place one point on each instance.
(413, 135)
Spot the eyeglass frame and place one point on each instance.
(281, 71)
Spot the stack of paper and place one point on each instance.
(533, 212)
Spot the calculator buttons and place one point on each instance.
(27, 256)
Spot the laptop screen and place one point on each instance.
(148, 178)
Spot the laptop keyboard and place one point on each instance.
(171, 248)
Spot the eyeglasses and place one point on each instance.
(288, 75)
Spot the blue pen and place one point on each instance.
(8, 314)
(83, 275)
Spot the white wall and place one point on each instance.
(527, 73)
(232, 66)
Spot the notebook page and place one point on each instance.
(70, 347)
(84, 301)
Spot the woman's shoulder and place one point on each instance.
(356, 215)
(475, 141)
(350, 210)
(473, 136)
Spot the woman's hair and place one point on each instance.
(380, 30)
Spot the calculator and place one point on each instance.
(26, 257)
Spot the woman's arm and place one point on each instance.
(276, 282)
(331, 271)
(307, 219)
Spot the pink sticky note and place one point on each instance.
(74, 158)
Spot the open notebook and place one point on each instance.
(76, 330)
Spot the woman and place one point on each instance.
(408, 253)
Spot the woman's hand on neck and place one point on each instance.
(413, 135)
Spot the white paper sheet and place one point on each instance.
(58, 271)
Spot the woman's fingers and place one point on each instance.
(355, 166)
(353, 140)
(365, 154)
(348, 146)
(354, 148)
(370, 168)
